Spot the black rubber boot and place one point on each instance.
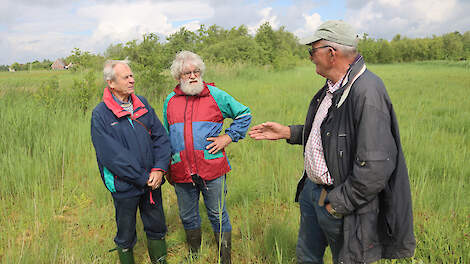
(224, 245)
(126, 255)
(157, 250)
(193, 238)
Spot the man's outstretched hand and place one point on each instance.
(269, 131)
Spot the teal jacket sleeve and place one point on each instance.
(233, 109)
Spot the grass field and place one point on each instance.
(55, 209)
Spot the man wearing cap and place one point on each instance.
(354, 194)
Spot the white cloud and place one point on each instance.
(38, 29)
(412, 18)
(47, 32)
(120, 23)
(311, 24)
(266, 16)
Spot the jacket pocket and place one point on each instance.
(109, 180)
(175, 158)
(209, 156)
(364, 157)
(364, 241)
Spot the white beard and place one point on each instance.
(192, 88)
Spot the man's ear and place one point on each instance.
(109, 82)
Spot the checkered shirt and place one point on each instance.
(314, 162)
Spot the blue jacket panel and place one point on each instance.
(128, 147)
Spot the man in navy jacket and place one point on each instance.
(133, 152)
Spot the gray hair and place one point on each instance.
(108, 70)
(348, 51)
(186, 57)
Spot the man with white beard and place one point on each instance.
(193, 115)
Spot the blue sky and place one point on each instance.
(49, 29)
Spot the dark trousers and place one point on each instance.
(152, 215)
(318, 228)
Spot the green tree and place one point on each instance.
(181, 40)
(466, 44)
(368, 48)
(16, 66)
(453, 46)
(115, 52)
(148, 61)
(83, 60)
(385, 53)
(266, 39)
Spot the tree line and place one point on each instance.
(35, 65)
(450, 46)
(278, 49)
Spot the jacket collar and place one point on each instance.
(354, 69)
(204, 92)
(118, 111)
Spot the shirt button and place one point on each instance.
(328, 133)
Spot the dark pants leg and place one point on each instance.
(152, 216)
(317, 228)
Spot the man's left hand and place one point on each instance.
(155, 179)
(218, 143)
(328, 207)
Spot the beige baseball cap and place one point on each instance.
(336, 31)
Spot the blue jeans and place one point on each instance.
(152, 215)
(214, 193)
(318, 228)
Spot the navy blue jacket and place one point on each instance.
(128, 147)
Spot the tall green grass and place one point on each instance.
(55, 208)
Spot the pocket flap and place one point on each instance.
(373, 156)
(175, 158)
(209, 156)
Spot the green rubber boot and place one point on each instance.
(126, 255)
(157, 250)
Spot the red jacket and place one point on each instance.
(190, 120)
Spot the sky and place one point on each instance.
(49, 29)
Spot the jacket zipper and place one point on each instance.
(188, 146)
(194, 152)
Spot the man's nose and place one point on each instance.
(131, 80)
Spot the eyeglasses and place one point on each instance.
(188, 73)
(312, 51)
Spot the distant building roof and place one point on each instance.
(58, 64)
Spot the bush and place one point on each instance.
(83, 91)
(48, 93)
